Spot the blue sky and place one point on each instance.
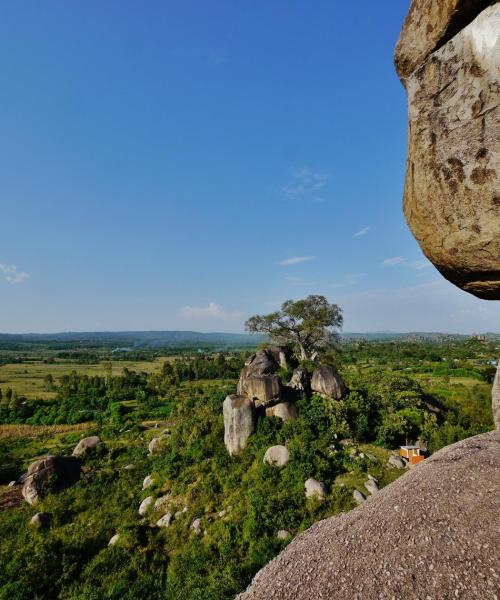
(183, 165)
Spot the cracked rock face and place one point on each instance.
(448, 57)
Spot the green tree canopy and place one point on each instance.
(308, 325)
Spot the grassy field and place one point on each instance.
(27, 379)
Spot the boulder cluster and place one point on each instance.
(261, 393)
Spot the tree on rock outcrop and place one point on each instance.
(308, 325)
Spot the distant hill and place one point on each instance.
(155, 339)
(137, 339)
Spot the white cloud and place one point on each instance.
(393, 261)
(306, 184)
(212, 311)
(296, 260)
(362, 232)
(12, 274)
(416, 265)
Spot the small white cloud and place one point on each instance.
(306, 184)
(393, 261)
(212, 311)
(362, 232)
(418, 265)
(296, 260)
(12, 274)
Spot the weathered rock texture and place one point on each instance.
(495, 396)
(86, 445)
(299, 380)
(239, 422)
(327, 382)
(451, 533)
(50, 474)
(448, 56)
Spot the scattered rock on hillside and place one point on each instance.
(41, 520)
(129, 467)
(86, 445)
(315, 488)
(50, 474)
(114, 539)
(495, 396)
(239, 422)
(371, 486)
(162, 503)
(451, 194)
(395, 461)
(300, 379)
(196, 526)
(156, 445)
(148, 482)
(286, 411)
(145, 505)
(11, 483)
(327, 382)
(358, 497)
(277, 456)
(165, 520)
(283, 534)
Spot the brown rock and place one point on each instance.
(50, 474)
(327, 382)
(286, 411)
(452, 197)
(428, 24)
(451, 532)
(262, 389)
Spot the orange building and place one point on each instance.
(413, 454)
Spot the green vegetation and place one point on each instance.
(435, 392)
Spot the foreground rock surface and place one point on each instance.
(50, 474)
(451, 531)
(239, 422)
(449, 58)
(495, 397)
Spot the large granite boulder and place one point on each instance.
(264, 390)
(239, 422)
(86, 445)
(286, 411)
(327, 382)
(495, 396)
(449, 59)
(50, 474)
(277, 456)
(258, 379)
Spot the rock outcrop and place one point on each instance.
(145, 506)
(50, 474)
(86, 445)
(286, 411)
(495, 397)
(239, 422)
(327, 382)
(278, 456)
(448, 57)
(258, 379)
(452, 530)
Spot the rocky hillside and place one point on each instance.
(431, 534)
